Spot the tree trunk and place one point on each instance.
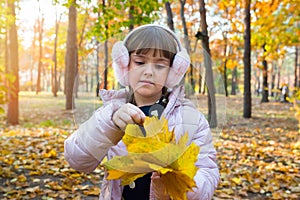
(13, 68)
(105, 64)
(86, 76)
(257, 81)
(40, 64)
(80, 48)
(97, 64)
(225, 77)
(169, 16)
(225, 65)
(131, 18)
(200, 81)
(234, 81)
(225, 58)
(273, 77)
(59, 81)
(54, 78)
(212, 114)
(265, 90)
(45, 79)
(247, 62)
(186, 42)
(279, 74)
(185, 31)
(298, 66)
(296, 80)
(33, 46)
(105, 48)
(97, 69)
(92, 83)
(71, 56)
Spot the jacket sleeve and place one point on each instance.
(207, 177)
(89, 144)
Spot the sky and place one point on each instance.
(27, 14)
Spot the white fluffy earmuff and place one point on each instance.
(120, 57)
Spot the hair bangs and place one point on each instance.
(152, 41)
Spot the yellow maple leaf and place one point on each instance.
(157, 151)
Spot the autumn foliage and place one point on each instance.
(157, 151)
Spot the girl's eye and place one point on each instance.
(139, 62)
(160, 66)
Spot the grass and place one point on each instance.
(48, 111)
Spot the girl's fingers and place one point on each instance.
(158, 186)
(128, 114)
(155, 176)
(136, 113)
(125, 117)
(137, 116)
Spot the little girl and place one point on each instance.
(151, 62)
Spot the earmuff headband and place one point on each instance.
(120, 56)
(155, 25)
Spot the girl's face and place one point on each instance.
(147, 76)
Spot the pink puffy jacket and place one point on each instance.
(99, 137)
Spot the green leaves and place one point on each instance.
(113, 17)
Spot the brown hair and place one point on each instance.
(146, 39)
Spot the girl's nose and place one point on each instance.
(148, 70)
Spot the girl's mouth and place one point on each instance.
(147, 82)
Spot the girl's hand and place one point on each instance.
(158, 187)
(128, 114)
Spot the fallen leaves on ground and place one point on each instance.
(33, 166)
(258, 158)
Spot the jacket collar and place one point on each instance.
(176, 97)
(113, 95)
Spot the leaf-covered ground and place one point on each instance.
(259, 158)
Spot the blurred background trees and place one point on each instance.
(63, 47)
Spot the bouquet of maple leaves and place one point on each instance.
(159, 151)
